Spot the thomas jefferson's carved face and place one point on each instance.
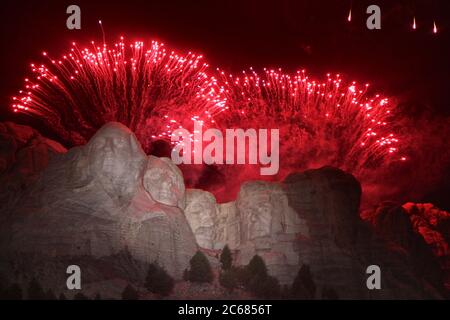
(164, 181)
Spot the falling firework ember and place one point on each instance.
(154, 91)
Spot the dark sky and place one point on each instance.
(412, 66)
(234, 35)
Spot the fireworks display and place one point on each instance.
(154, 90)
(149, 90)
(321, 123)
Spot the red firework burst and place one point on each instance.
(321, 123)
(149, 90)
(154, 91)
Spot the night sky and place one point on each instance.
(410, 66)
(413, 66)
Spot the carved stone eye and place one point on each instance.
(119, 142)
(99, 143)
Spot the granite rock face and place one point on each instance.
(112, 209)
(228, 228)
(433, 224)
(269, 227)
(24, 153)
(312, 218)
(99, 200)
(163, 180)
(340, 246)
(201, 212)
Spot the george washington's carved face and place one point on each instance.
(164, 182)
(115, 159)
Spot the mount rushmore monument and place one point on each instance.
(112, 209)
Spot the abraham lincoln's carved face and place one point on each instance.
(201, 213)
(255, 210)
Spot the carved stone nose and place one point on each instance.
(109, 145)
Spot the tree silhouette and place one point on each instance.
(158, 280)
(129, 293)
(257, 280)
(303, 286)
(186, 275)
(200, 270)
(226, 258)
(328, 293)
(257, 266)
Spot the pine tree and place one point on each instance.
(35, 291)
(158, 280)
(255, 272)
(257, 266)
(241, 274)
(328, 293)
(257, 280)
(266, 288)
(303, 286)
(200, 270)
(129, 293)
(186, 275)
(226, 258)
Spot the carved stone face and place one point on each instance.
(201, 213)
(256, 210)
(115, 159)
(164, 182)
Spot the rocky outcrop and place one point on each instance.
(420, 230)
(269, 227)
(24, 153)
(112, 209)
(101, 199)
(312, 218)
(24, 149)
(433, 225)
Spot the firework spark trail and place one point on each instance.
(151, 91)
(154, 91)
(323, 123)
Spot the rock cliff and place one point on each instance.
(112, 209)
